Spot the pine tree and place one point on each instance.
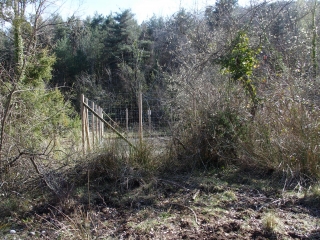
(220, 15)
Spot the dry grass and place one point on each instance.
(271, 223)
(198, 205)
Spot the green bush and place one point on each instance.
(213, 141)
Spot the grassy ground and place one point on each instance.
(226, 204)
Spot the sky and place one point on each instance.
(143, 9)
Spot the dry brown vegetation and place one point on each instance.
(109, 196)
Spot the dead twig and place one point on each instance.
(195, 195)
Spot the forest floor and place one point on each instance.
(229, 204)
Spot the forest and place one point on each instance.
(237, 90)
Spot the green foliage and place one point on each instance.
(34, 115)
(220, 14)
(224, 129)
(39, 68)
(213, 142)
(227, 125)
(42, 116)
(240, 63)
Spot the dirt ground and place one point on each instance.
(218, 205)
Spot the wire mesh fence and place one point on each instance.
(123, 112)
(120, 113)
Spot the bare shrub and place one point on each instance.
(285, 133)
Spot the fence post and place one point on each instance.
(149, 120)
(97, 125)
(102, 125)
(110, 126)
(92, 125)
(140, 118)
(82, 123)
(86, 113)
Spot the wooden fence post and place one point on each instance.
(109, 125)
(83, 122)
(102, 125)
(86, 113)
(149, 120)
(92, 126)
(140, 117)
(97, 125)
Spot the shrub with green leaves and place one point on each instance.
(225, 127)
(240, 63)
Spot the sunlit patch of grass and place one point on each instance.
(165, 215)
(228, 196)
(291, 194)
(210, 204)
(146, 221)
(147, 225)
(271, 223)
(212, 210)
(208, 200)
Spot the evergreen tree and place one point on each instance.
(124, 32)
(32, 114)
(220, 15)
